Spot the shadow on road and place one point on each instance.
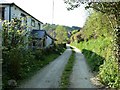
(94, 60)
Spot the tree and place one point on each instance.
(13, 34)
(61, 34)
(111, 9)
(112, 12)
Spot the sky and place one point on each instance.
(43, 9)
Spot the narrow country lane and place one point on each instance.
(50, 75)
(80, 77)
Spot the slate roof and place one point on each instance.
(38, 33)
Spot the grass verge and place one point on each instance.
(67, 71)
(29, 62)
(39, 65)
(99, 56)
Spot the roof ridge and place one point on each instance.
(20, 9)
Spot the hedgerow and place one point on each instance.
(99, 48)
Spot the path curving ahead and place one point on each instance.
(80, 77)
(50, 75)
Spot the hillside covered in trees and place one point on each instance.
(56, 31)
(48, 26)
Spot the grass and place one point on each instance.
(67, 71)
(99, 56)
(95, 51)
(29, 62)
(39, 65)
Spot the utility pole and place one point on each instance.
(53, 18)
(52, 11)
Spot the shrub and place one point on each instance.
(98, 33)
(18, 61)
(93, 59)
(12, 61)
(109, 73)
(98, 53)
(39, 54)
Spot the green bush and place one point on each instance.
(11, 62)
(38, 54)
(93, 59)
(98, 53)
(20, 62)
(109, 73)
(98, 48)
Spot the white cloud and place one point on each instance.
(42, 10)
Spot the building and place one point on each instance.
(49, 40)
(8, 11)
(40, 39)
(11, 10)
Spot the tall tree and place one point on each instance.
(61, 34)
(110, 9)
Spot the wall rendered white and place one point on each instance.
(16, 12)
(7, 13)
(48, 41)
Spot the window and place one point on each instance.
(15, 8)
(24, 20)
(39, 27)
(34, 43)
(44, 42)
(2, 13)
(33, 23)
(23, 15)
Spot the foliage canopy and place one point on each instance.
(61, 34)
